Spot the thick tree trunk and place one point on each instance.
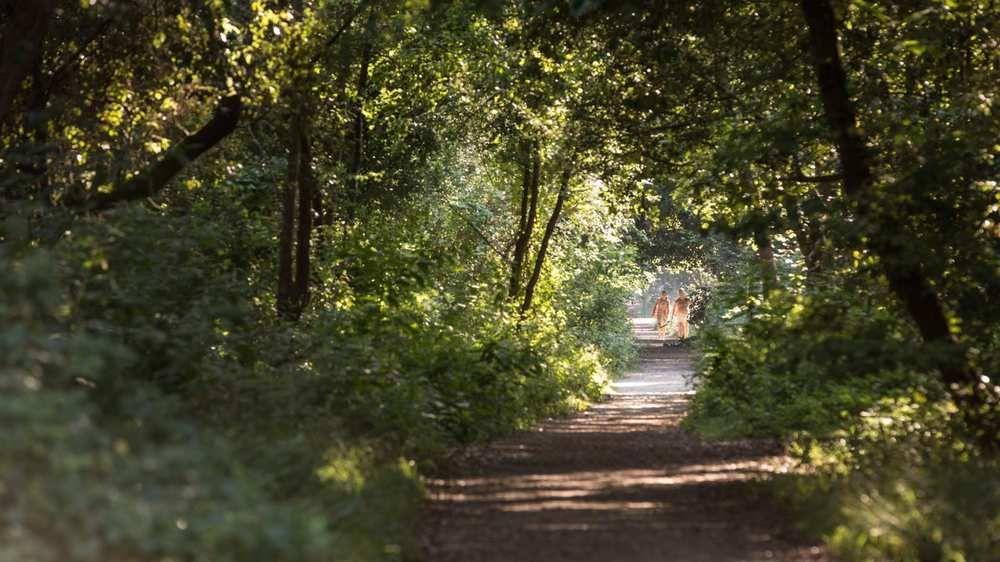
(526, 222)
(550, 228)
(157, 176)
(23, 36)
(905, 274)
(854, 157)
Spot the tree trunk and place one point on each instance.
(306, 185)
(286, 297)
(298, 200)
(550, 228)
(20, 50)
(323, 213)
(359, 126)
(529, 210)
(157, 176)
(905, 274)
(518, 257)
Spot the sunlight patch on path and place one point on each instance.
(662, 369)
(621, 482)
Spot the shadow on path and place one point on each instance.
(620, 482)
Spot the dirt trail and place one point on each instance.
(620, 482)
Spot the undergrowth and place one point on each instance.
(887, 472)
(156, 409)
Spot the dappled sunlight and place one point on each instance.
(583, 505)
(549, 491)
(621, 478)
(595, 265)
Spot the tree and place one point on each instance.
(905, 274)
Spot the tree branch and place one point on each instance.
(157, 176)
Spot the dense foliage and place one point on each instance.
(267, 260)
(164, 397)
(818, 342)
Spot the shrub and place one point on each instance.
(159, 409)
(800, 363)
(897, 484)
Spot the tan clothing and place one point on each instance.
(661, 310)
(681, 316)
(681, 307)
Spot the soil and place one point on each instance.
(619, 482)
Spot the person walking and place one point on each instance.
(680, 314)
(661, 312)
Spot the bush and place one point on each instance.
(148, 481)
(159, 409)
(898, 485)
(887, 471)
(807, 362)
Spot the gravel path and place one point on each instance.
(619, 482)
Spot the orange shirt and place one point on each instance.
(681, 307)
(661, 310)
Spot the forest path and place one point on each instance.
(619, 482)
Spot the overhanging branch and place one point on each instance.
(156, 177)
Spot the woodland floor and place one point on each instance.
(619, 482)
